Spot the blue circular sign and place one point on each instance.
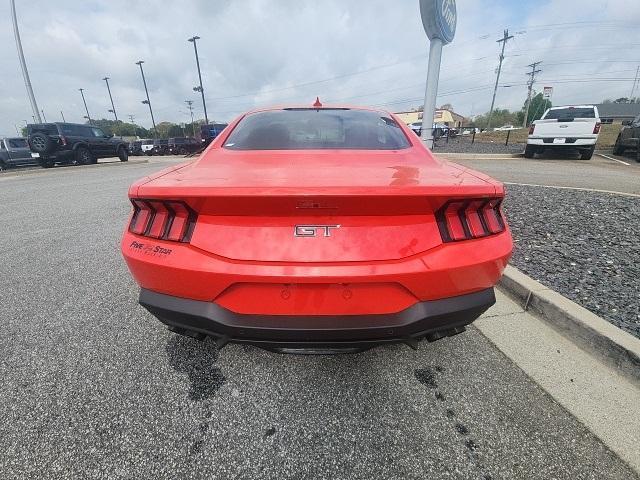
(439, 18)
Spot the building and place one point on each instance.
(440, 116)
(618, 112)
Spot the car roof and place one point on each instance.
(311, 107)
(572, 106)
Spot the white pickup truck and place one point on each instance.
(563, 128)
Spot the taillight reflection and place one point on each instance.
(162, 219)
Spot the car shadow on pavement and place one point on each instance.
(196, 359)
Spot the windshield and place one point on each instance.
(559, 113)
(17, 143)
(302, 129)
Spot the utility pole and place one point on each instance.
(43, 116)
(636, 82)
(147, 101)
(23, 64)
(113, 108)
(190, 105)
(505, 38)
(62, 115)
(199, 88)
(532, 79)
(88, 117)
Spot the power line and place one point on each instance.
(532, 79)
(505, 38)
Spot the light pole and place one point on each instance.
(147, 101)
(44, 116)
(23, 63)
(85, 104)
(199, 88)
(62, 115)
(113, 108)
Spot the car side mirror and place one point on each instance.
(626, 123)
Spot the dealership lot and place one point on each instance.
(93, 386)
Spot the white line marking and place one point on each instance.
(574, 188)
(614, 159)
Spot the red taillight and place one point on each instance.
(596, 129)
(532, 128)
(468, 219)
(162, 219)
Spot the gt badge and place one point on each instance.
(312, 230)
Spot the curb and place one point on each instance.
(610, 344)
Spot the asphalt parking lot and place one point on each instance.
(94, 387)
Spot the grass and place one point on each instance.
(606, 139)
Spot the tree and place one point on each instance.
(121, 129)
(499, 118)
(537, 108)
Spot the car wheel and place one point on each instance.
(82, 156)
(618, 149)
(3, 166)
(638, 153)
(47, 163)
(587, 154)
(529, 151)
(123, 155)
(41, 143)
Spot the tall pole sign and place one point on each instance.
(439, 18)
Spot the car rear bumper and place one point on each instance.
(570, 142)
(432, 319)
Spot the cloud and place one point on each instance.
(259, 52)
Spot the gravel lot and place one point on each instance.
(464, 145)
(582, 244)
(94, 387)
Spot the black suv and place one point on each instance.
(72, 143)
(183, 145)
(629, 137)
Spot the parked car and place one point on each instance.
(183, 145)
(571, 127)
(160, 147)
(72, 143)
(319, 230)
(209, 132)
(629, 137)
(147, 146)
(135, 148)
(14, 152)
(416, 127)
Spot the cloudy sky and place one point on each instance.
(261, 52)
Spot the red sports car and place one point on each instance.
(317, 229)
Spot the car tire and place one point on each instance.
(41, 143)
(618, 149)
(587, 154)
(46, 163)
(638, 154)
(529, 151)
(82, 156)
(123, 155)
(3, 166)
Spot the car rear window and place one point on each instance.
(48, 128)
(17, 143)
(325, 128)
(570, 113)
